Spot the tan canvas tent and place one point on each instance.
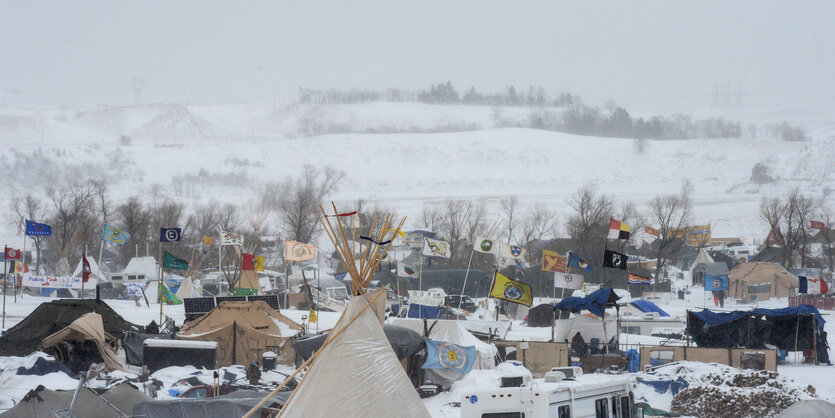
(87, 327)
(244, 331)
(763, 280)
(357, 374)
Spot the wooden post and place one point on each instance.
(815, 337)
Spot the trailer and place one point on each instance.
(557, 395)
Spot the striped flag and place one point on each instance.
(636, 279)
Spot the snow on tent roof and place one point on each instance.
(647, 306)
(142, 265)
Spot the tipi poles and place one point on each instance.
(461, 297)
(331, 337)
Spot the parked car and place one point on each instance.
(466, 302)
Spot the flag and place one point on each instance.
(652, 231)
(172, 262)
(568, 281)
(817, 225)
(812, 286)
(230, 238)
(311, 316)
(575, 261)
(520, 270)
(406, 270)
(510, 290)
(35, 229)
(614, 259)
(20, 267)
(247, 261)
(396, 232)
(618, 229)
(485, 245)
(551, 261)
(342, 214)
(297, 251)
(718, 282)
(259, 263)
(512, 251)
(85, 268)
(208, 240)
(326, 264)
(449, 356)
(170, 234)
(167, 296)
(114, 234)
(12, 254)
(436, 248)
(636, 279)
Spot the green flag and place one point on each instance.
(171, 262)
(168, 297)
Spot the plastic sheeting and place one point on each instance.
(595, 303)
(647, 306)
(357, 374)
(235, 404)
(664, 386)
(784, 328)
(87, 327)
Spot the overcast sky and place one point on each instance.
(646, 54)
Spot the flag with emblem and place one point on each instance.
(817, 225)
(618, 229)
(513, 251)
(34, 229)
(172, 262)
(552, 261)
(115, 235)
(510, 290)
(208, 240)
(614, 259)
(435, 248)
(170, 234)
(568, 281)
(85, 268)
(448, 356)
(574, 260)
(259, 262)
(406, 270)
(812, 286)
(12, 254)
(231, 238)
(297, 251)
(485, 245)
(718, 282)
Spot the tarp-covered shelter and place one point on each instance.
(404, 341)
(761, 280)
(357, 374)
(782, 328)
(244, 331)
(41, 402)
(596, 302)
(88, 327)
(234, 404)
(541, 315)
(50, 317)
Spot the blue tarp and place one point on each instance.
(595, 303)
(424, 311)
(719, 318)
(662, 386)
(647, 306)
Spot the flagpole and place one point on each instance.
(420, 274)
(461, 297)
(5, 274)
(159, 291)
(83, 254)
(14, 277)
(98, 263)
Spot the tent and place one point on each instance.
(50, 317)
(701, 258)
(88, 327)
(357, 370)
(541, 315)
(700, 270)
(760, 280)
(186, 289)
(41, 402)
(244, 331)
(96, 273)
(809, 408)
(782, 328)
(404, 341)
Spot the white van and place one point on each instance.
(591, 395)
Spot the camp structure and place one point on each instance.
(95, 273)
(701, 270)
(50, 317)
(541, 315)
(233, 404)
(118, 401)
(72, 348)
(760, 281)
(356, 368)
(244, 331)
(138, 270)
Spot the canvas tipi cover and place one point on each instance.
(95, 273)
(88, 327)
(244, 331)
(702, 257)
(358, 371)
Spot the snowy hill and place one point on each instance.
(137, 146)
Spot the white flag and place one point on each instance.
(513, 251)
(568, 281)
(229, 238)
(436, 248)
(485, 245)
(406, 270)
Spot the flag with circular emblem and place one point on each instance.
(485, 245)
(12, 254)
(510, 290)
(298, 251)
(449, 356)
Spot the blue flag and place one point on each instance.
(449, 356)
(170, 234)
(114, 234)
(37, 230)
(575, 261)
(719, 282)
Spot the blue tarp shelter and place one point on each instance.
(785, 328)
(595, 303)
(647, 306)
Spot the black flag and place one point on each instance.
(615, 260)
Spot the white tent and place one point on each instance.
(357, 374)
(142, 266)
(95, 273)
(702, 257)
(454, 332)
(186, 289)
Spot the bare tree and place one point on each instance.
(132, 216)
(539, 223)
(509, 205)
(432, 218)
(827, 216)
(30, 207)
(671, 213)
(227, 217)
(70, 205)
(589, 224)
(476, 223)
(300, 199)
(789, 219)
(455, 214)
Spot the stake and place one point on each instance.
(461, 298)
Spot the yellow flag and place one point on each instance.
(208, 240)
(312, 316)
(510, 290)
(259, 263)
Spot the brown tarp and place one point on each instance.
(244, 331)
(88, 327)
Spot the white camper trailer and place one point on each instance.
(593, 395)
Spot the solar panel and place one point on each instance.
(197, 307)
(271, 300)
(220, 299)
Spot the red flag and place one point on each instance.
(817, 225)
(342, 214)
(12, 254)
(247, 262)
(85, 268)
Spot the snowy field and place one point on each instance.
(795, 374)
